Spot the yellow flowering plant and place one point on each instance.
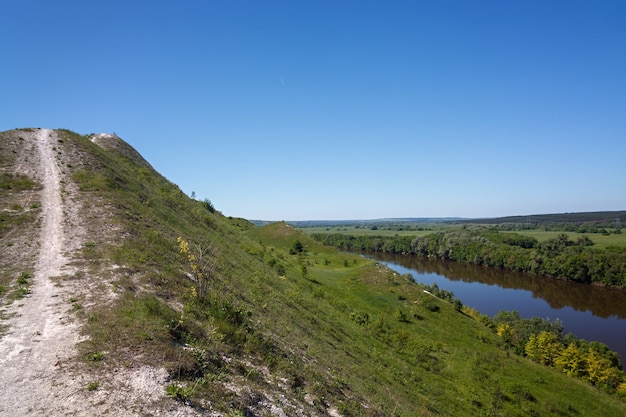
(200, 267)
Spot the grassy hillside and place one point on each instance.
(283, 326)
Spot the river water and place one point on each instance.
(589, 312)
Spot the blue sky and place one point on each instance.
(293, 110)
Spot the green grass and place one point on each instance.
(598, 239)
(16, 182)
(320, 327)
(12, 220)
(20, 288)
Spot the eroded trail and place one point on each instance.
(40, 337)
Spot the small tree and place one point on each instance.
(544, 348)
(198, 260)
(297, 247)
(505, 331)
(572, 361)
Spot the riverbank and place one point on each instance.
(573, 260)
(589, 312)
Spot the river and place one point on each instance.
(589, 312)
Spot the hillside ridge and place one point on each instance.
(38, 349)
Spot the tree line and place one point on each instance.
(562, 257)
(545, 342)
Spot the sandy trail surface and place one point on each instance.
(40, 337)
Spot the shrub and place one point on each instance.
(201, 267)
(401, 316)
(430, 304)
(362, 319)
(296, 248)
(206, 203)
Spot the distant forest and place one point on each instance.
(581, 222)
(607, 219)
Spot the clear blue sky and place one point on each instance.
(362, 109)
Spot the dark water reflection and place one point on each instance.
(589, 312)
(599, 301)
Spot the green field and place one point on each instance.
(600, 240)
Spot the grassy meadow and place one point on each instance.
(600, 240)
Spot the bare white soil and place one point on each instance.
(39, 372)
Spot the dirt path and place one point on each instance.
(41, 337)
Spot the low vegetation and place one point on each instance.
(19, 212)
